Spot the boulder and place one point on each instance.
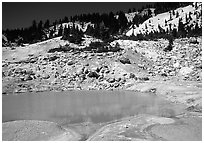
(27, 77)
(45, 76)
(125, 60)
(92, 74)
(70, 63)
(96, 69)
(53, 58)
(80, 70)
(132, 75)
(111, 80)
(185, 70)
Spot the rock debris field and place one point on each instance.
(138, 62)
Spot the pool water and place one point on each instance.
(72, 107)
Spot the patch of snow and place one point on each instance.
(81, 26)
(152, 23)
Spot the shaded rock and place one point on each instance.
(132, 75)
(195, 108)
(70, 63)
(64, 75)
(125, 60)
(111, 80)
(144, 78)
(80, 70)
(53, 58)
(193, 41)
(96, 69)
(86, 64)
(44, 62)
(27, 77)
(106, 71)
(45, 76)
(115, 48)
(93, 74)
(86, 71)
(164, 74)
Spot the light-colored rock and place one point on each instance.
(185, 70)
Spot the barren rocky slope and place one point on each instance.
(138, 65)
(57, 65)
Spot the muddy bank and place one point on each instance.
(151, 128)
(33, 130)
(142, 127)
(185, 92)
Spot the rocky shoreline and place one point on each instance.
(136, 63)
(137, 66)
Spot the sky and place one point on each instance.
(21, 14)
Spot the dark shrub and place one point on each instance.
(62, 49)
(124, 60)
(193, 41)
(100, 47)
(170, 46)
(97, 47)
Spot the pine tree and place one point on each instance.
(181, 28)
(40, 25)
(97, 31)
(177, 14)
(173, 12)
(60, 31)
(34, 25)
(165, 22)
(39, 34)
(170, 46)
(167, 30)
(190, 18)
(145, 26)
(47, 24)
(123, 22)
(149, 13)
(196, 5)
(186, 18)
(73, 35)
(89, 30)
(65, 20)
(197, 31)
(136, 20)
(65, 33)
(104, 32)
(51, 34)
(174, 32)
(170, 27)
(170, 16)
(33, 31)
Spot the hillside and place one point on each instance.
(189, 15)
(79, 25)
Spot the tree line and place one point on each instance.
(106, 25)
